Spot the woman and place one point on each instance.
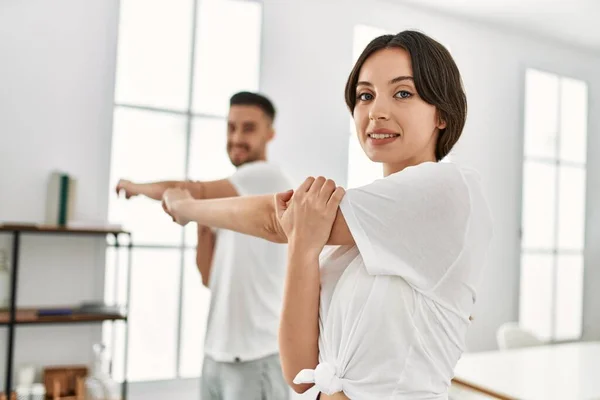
(382, 314)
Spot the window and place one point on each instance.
(361, 170)
(172, 90)
(553, 210)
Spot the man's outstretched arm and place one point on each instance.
(199, 190)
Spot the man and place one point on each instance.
(245, 274)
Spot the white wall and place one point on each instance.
(307, 52)
(57, 79)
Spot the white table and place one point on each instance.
(553, 372)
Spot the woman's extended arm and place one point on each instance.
(251, 215)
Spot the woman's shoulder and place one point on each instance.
(436, 177)
(441, 185)
(430, 169)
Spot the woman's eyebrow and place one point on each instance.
(392, 82)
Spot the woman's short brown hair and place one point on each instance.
(436, 78)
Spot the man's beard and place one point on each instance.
(250, 157)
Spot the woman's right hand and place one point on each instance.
(306, 215)
(172, 199)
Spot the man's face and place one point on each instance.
(248, 132)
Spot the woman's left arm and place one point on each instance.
(307, 221)
(299, 323)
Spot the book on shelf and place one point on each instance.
(60, 198)
(100, 308)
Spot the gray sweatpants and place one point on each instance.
(260, 379)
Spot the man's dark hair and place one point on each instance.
(254, 99)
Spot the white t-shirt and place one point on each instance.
(246, 280)
(395, 308)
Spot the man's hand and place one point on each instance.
(172, 199)
(127, 187)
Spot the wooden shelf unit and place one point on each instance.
(11, 319)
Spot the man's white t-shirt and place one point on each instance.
(247, 279)
(395, 308)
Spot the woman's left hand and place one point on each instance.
(171, 200)
(307, 214)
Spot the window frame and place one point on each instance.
(555, 251)
(110, 332)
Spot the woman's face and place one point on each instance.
(394, 125)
